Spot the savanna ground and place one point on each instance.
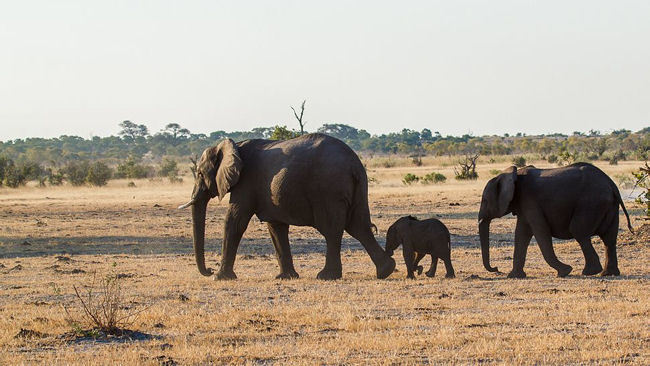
(54, 238)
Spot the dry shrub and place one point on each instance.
(102, 305)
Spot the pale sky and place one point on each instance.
(481, 67)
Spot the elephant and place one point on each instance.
(419, 238)
(312, 180)
(577, 202)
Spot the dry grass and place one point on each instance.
(55, 237)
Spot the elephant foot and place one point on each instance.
(517, 274)
(592, 270)
(430, 274)
(419, 269)
(384, 270)
(410, 277)
(610, 272)
(450, 275)
(225, 275)
(287, 275)
(564, 270)
(328, 274)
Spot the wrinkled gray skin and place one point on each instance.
(313, 180)
(573, 202)
(419, 238)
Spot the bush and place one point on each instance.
(102, 306)
(552, 159)
(494, 172)
(619, 155)
(169, 169)
(467, 167)
(31, 171)
(55, 179)
(410, 179)
(76, 172)
(283, 133)
(416, 160)
(433, 178)
(99, 174)
(519, 161)
(13, 176)
(131, 169)
(4, 162)
(566, 157)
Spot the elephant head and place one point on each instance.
(217, 173)
(395, 232)
(497, 196)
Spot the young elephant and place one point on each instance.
(419, 238)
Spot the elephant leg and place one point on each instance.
(235, 225)
(416, 264)
(592, 262)
(523, 234)
(582, 226)
(280, 237)
(360, 230)
(409, 259)
(434, 265)
(333, 269)
(449, 267)
(545, 243)
(611, 260)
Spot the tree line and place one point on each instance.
(135, 152)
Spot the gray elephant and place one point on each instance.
(313, 180)
(573, 202)
(419, 238)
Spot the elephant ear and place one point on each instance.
(506, 189)
(229, 167)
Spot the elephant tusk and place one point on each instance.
(186, 205)
(480, 221)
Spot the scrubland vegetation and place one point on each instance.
(135, 153)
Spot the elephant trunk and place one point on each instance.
(198, 225)
(484, 233)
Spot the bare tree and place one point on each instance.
(300, 122)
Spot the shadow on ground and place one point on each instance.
(143, 245)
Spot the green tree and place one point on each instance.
(131, 132)
(131, 169)
(169, 169)
(76, 172)
(283, 133)
(98, 174)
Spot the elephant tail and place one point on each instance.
(620, 202)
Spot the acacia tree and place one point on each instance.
(131, 132)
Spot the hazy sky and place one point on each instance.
(82, 67)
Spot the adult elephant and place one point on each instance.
(573, 202)
(312, 180)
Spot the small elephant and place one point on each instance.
(419, 238)
(573, 202)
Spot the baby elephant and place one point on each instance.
(419, 238)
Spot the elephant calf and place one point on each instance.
(419, 238)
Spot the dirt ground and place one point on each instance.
(56, 237)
